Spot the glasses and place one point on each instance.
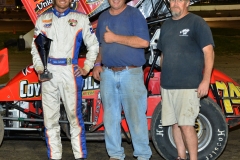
(178, 1)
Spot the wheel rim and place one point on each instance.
(203, 129)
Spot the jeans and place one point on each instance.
(125, 90)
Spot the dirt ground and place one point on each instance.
(36, 150)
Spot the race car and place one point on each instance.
(21, 108)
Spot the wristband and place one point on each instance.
(97, 64)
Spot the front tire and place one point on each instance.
(211, 128)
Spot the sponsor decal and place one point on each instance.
(27, 70)
(159, 129)
(96, 115)
(93, 1)
(42, 6)
(90, 84)
(221, 136)
(47, 25)
(230, 94)
(29, 90)
(47, 21)
(72, 22)
(88, 93)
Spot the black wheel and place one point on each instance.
(211, 128)
(1, 129)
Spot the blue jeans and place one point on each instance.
(125, 90)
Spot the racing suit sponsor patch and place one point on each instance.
(48, 25)
(72, 22)
(47, 21)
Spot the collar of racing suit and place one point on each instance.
(59, 14)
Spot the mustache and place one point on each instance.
(175, 7)
(172, 8)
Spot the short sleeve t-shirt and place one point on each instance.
(130, 22)
(181, 42)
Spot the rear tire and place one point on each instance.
(211, 128)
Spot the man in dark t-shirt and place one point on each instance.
(187, 60)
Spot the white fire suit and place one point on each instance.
(67, 30)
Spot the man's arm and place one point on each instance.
(132, 41)
(99, 57)
(208, 62)
(37, 62)
(91, 42)
(161, 60)
(97, 67)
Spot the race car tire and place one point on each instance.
(1, 129)
(211, 128)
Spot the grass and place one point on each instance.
(227, 41)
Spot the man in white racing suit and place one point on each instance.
(67, 29)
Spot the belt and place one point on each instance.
(62, 61)
(116, 69)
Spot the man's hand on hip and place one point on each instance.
(79, 71)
